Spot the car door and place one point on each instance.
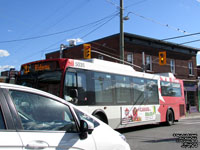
(47, 123)
(9, 138)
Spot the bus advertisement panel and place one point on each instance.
(114, 93)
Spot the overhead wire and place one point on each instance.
(80, 5)
(39, 24)
(111, 2)
(108, 18)
(135, 3)
(157, 22)
(113, 57)
(99, 26)
(55, 33)
(171, 27)
(189, 42)
(95, 24)
(87, 25)
(171, 38)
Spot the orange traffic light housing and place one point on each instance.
(162, 58)
(87, 51)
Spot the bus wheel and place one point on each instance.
(170, 118)
(100, 117)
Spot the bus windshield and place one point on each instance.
(48, 81)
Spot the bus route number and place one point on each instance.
(79, 65)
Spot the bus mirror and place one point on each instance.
(74, 93)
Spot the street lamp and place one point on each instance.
(127, 17)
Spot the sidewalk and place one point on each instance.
(192, 115)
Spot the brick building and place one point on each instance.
(8, 76)
(181, 60)
(198, 73)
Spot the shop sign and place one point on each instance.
(193, 109)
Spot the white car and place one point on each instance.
(33, 119)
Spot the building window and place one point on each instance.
(172, 66)
(130, 58)
(190, 66)
(100, 57)
(148, 63)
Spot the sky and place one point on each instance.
(31, 28)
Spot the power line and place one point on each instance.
(112, 54)
(67, 15)
(136, 3)
(99, 26)
(157, 22)
(110, 17)
(105, 46)
(84, 30)
(114, 58)
(56, 33)
(152, 20)
(111, 2)
(87, 25)
(189, 42)
(180, 36)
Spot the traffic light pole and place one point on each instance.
(121, 32)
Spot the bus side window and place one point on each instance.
(139, 91)
(151, 90)
(122, 89)
(170, 89)
(103, 88)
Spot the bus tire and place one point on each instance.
(170, 118)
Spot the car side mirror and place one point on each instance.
(86, 127)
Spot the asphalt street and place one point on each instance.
(184, 134)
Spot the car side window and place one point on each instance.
(41, 113)
(2, 123)
(83, 116)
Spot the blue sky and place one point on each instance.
(87, 20)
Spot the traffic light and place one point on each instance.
(162, 58)
(87, 51)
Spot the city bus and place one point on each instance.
(115, 93)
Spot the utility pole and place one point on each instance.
(121, 32)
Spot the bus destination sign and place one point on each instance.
(36, 67)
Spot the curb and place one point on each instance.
(190, 117)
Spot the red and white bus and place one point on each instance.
(114, 93)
